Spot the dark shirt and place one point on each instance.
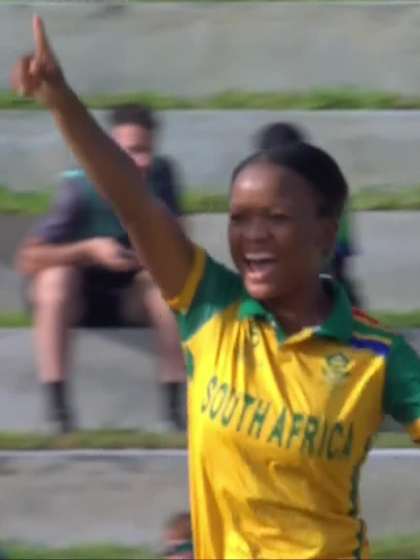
(80, 212)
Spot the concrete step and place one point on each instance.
(114, 382)
(373, 147)
(57, 500)
(201, 48)
(386, 266)
(60, 499)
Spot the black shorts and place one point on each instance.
(102, 291)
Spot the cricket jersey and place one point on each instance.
(279, 425)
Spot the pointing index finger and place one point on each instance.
(42, 45)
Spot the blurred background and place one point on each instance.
(347, 74)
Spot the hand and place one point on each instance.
(38, 75)
(106, 252)
(25, 263)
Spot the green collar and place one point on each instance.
(339, 324)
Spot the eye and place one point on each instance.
(278, 218)
(236, 217)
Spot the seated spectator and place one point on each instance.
(80, 270)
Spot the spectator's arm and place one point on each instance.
(35, 254)
(51, 242)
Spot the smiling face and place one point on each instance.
(137, 141)
(278, 240)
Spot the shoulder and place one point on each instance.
(164, 165)
(210, 289)
(393, 345)
(74, 180)
(371, 334)
(161, 161)
(73, 176)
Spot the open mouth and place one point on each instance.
(258, 266)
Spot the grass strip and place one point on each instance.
(83, 552)
(91, 439)
(212, 200)
(397, 548)
(315, 99)
(134, 439)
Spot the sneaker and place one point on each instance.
(177, 420)
(62, 419)
(169, 426)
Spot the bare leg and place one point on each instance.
(55, 293)
(145, 297)
(57, 306)
(172, 360)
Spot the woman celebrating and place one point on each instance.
(287, 384)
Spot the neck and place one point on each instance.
(302, 308)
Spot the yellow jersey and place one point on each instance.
(280, 426)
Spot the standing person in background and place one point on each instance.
(81, 270)
(280, 134)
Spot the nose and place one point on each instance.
(256, 229)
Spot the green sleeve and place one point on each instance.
(402, 383)
(218, 288)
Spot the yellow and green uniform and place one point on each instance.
(279, 426)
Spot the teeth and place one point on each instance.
(259, 257)
(259, 266)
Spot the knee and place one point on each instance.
(56, 286)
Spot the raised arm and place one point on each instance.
(155, 234)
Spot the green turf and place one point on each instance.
(213, 200)
(28, 203)
(394, 440)
(313, 99)
(403, 198)
(19, 319)
(395, 548)
(37, 201)
(87, 552)
(398, 320)
(205, 202)
(92, 439)
(133, 439)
